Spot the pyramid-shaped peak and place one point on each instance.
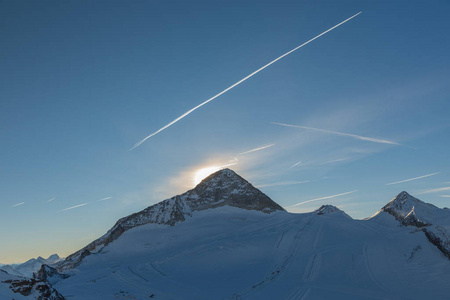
(406, 206)
(223, 175)
(225, 187)
(404, 202)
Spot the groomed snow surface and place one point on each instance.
(233, 253)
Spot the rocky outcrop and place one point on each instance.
(222, 188)
(49, 274)
(40, 290)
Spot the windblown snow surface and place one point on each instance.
(231, 253)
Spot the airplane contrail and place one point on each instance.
(72, 207)
(103, 199)
(411, 179)
(358, 137)
(256, 149)
(323, 198)
(296, 164)
(239, 82)
(433, 190)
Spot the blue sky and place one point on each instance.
(83, 81)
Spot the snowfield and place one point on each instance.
(226, 240)
(230, 253)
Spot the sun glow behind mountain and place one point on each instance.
(204, 172)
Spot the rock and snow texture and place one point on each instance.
(328, 209)
(223, 188)
(226, 240)
(31, 266)
(433, 221)
(15, 287)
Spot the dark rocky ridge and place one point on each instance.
(222, 188)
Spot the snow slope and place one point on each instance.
(223, 188)
(231, 253)
(226, 240)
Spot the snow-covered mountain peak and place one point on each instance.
(225, 187)
(433, 221)
(330, 209)
(222, 188)
(327, 209)
(407, 209)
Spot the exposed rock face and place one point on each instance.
(433, 221)
(222, 188)
(49, 274)
(326, 209)
(41, 290)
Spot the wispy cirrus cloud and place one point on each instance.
(238, 83)
(18, 204)
(354, 136)
(445, 196)
(50, 200)
(72, 207)
(323, 198)
(256, 149)
(411, 179)
(430, 191)
(282, 183)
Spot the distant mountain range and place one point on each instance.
(225, 239)
(31, 266)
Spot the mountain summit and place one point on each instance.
(432, 220)
(221, 188)
(411, 211)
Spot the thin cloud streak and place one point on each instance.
(434, 190)
(72, 207)
(281, 183)
(103, 199)
(358, 137)
(21, 203)
(256, 149)
(411, 179)
(323, 198)
(334, 161)
(237, 83)
(445, 196)
(51, 199)
(294, 165)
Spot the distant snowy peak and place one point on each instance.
(433, 221)
(329, 209)
(30, 266)
(221, 188)
(411, 211)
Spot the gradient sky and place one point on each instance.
(81, 82)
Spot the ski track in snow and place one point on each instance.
(369, 270)
(298, 294)
(279, 268)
